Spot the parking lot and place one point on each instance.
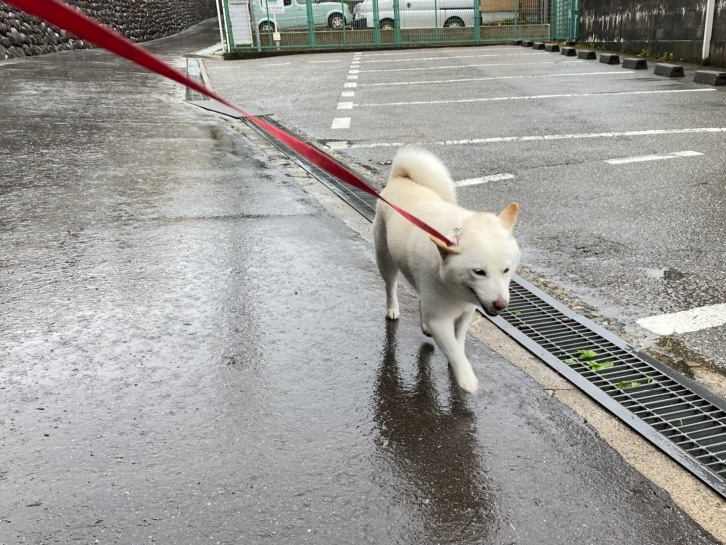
(619, 172)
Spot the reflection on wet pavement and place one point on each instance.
(430, 446)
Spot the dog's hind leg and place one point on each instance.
(388, 270)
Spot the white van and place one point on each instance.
(275, 15)
(416, 13)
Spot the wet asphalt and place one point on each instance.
(193, 350)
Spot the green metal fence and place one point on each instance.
(565, 20)
(318, 24)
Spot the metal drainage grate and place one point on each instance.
(675, 413)
(362, 202)
(194, 72)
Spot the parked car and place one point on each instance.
(416, 13)
(273, 15)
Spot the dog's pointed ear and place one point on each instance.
(508, 216)
(443, 249)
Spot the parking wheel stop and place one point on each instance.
(710, 77)
(609, 58)
(635, 64)
(668, 70)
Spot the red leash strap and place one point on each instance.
(74, 21)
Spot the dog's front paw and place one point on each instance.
(469, 383)
(392, 313)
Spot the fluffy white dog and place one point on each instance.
(451, 281)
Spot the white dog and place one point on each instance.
(450, 280)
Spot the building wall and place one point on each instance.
(138, 20)
(666, 28)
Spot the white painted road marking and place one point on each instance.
(484, 179)
(443, 58)
(458, 67)
(338, 144)
(644, 158)
(532, 97)
(341, 123)
(546, 137)
(528, 76)
(687, 321)
(412, 52)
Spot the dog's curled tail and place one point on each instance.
(424, 168)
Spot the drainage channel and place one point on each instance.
(673, 412)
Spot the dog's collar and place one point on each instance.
(457, 236)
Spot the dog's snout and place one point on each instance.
(500, 304)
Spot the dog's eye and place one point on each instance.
(480, 272)
(506, 271)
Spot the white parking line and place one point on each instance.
(531, 97)
(458, 67)
(484, 179)
(338, 144)
(544, 137)
(644, 158)
(444, 58)
(687, 321)
(341, 123)
(328, 61)
(528, 76)
(413, 52)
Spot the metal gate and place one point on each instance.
(321, 24)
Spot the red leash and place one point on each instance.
(74, 21)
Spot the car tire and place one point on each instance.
(387, 24)
(454, 22)
(336, 21)
(267, 26)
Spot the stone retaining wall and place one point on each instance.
(138, 20)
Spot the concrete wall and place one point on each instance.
(662, 27)
(139, 20)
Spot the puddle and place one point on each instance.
(666, 274)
